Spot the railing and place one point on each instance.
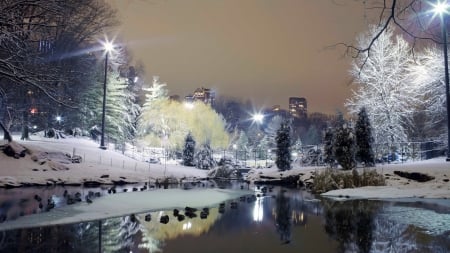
(308, 155)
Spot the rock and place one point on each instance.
(92, 183)
(148, 217)
(203, 215)
(416, 176)
(164, 219)
(15, 150)
(76, 159)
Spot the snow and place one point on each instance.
(396, 187)
(48, 161)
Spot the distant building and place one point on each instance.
(298, 107)
(204, 95)
(276, 110)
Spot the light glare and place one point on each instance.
(440, 7)
(258, 117)
(108, 46)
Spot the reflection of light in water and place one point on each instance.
(187, 225)
(258, 210)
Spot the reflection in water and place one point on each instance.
(302, 224)
(258, 210)
(283, 218)
(375, 226)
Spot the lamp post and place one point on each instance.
(108, 46)
(441, 8)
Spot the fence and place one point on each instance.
(384, 153)
(308, 155)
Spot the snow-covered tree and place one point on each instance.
(364, 139)
(427, 75)
(242, 142)
(121, 110)
(204, 158)
(167, 122)
(272, 128)
(344, 147)
(328, 147)
(383, 87)
(188, 151)
(283, 140)
(297, 145)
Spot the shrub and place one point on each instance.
(330, 179)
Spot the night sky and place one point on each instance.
(259, 50)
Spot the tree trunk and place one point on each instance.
(6, 134)
(25, 130)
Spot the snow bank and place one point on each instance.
(47, 162)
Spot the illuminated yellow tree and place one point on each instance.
(166, 123)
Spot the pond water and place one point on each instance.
(282, 220)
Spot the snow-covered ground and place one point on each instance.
(46, 163)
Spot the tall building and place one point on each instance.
(298, 107)
(205, 95)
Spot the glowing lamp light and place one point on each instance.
(58, 118)
(108, 46)
(258, 117)
(441, 7)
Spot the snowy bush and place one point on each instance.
(225, 171)
(330, 179)
(204, 158)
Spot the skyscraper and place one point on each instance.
(298, 107)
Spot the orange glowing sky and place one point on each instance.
(259, 50)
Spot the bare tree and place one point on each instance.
(413, 18)
(44, 51)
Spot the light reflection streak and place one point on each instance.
(187, 225)
(258, 210)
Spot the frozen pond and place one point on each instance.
(281, 220)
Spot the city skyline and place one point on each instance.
(261, 51)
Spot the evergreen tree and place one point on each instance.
(283, 139)
(121, 109)
(328, 147)
(204, 158)
(272, 128)
(364, 139)
(344, 145)
(188, 151)
(242, 145)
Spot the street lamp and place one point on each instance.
(108, 47)
(441, 8)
